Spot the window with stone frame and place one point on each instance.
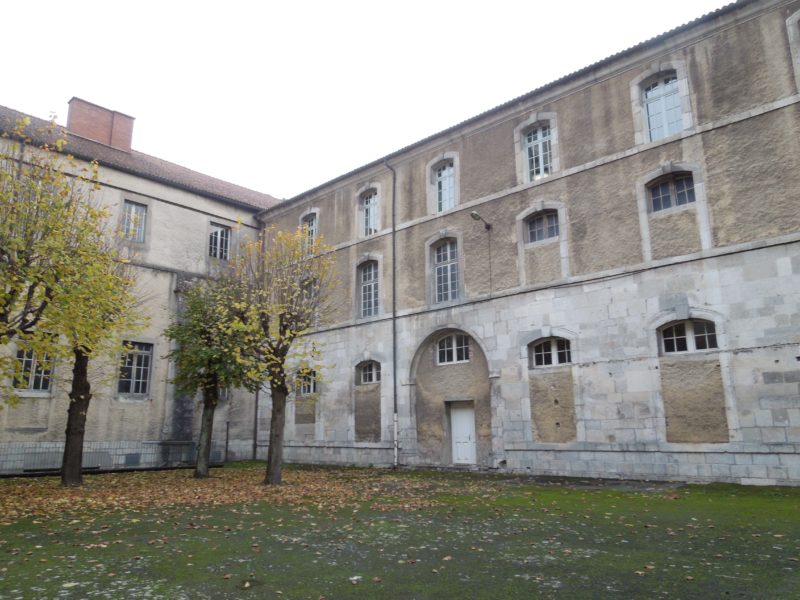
(369, 212)
(445, 270)
(454, 348)
(444, 179)
(219, 242)
(369, 302)
(662, 104)
(538, 151)
(368, 372)
(34, 373)
(136, 368)
(690, 335)
(675, 189)
(310, 224)
(134, 220)
(541, 226)
(549, 352)
(307, 383)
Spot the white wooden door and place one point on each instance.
(462, 426)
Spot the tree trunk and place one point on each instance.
(210, 398)
(79, 395)
(276, 424)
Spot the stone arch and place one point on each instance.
(441, 387)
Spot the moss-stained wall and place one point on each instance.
(368, 412)
(553, 405)
(674, 234)
(740, 67)
(436, 385)
(694, 401)
(754, 177)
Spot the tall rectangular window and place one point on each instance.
(369, 288)
(309, 222)
(308, 384)
(134, 378)
(219, 241)
(445, 260)
(34, 373)
(444, 176)
(134, 219)
(369, 201)
(537, 148)
(663, 104)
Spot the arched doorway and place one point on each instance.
(451, 400)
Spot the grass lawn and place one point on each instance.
(367, 533)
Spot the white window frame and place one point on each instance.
(37, 378)
(538, 149)
(535, 122)
(550, 221)
(558, 352)
(446, 270)
(369, 372)
(453, 349)
(136, 353)
(658, 71)
(435, 205)
(690, 337)
(368, 289)
(134, 221)
(219, 241)
(677, 195)
(662, 99)
(370, 209)
(307, 384)
(309, 221)
(444, 175)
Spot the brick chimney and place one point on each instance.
(100, 124)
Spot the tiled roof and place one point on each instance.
(143, 165)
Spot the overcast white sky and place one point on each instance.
(283, 96)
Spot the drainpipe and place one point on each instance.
(394, 315)
(255, 425)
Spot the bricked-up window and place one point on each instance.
(688, 336)
(219, 242)
(538, 152)
(548, 352)
(368, 372)
(444, 177)
(368, 288)
(445, 271)
(137, 362)
(452, 349)
(307, 384)
(676, 189)
(542, 225)
(34, 373)
(134, 219)
(369, 212)
(663, 105)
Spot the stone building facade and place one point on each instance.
(177, 223)
(600, 278)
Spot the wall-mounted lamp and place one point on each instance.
(474, 214)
